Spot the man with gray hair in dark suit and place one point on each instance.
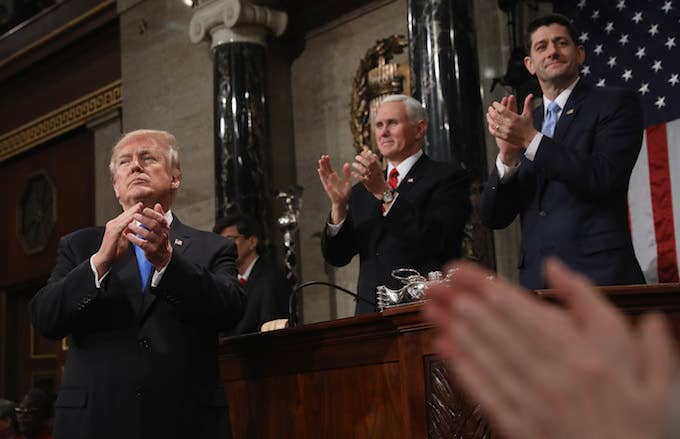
(141, 302)
(410, 215)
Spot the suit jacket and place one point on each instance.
(141, 365)
(423, 229)
(268, 291)
(572, 198)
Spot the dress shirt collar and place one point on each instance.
(405, 166)
(246, 274)
(561, 99)
(168, 217)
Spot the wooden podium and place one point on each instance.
(372, 376)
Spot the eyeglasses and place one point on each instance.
(25, 411)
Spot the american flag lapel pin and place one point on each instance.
(409, 180)
(570, 111)
(178, 242)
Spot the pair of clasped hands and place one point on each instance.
(513, 131)
(365, 168)
(142, 226)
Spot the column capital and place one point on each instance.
(235, 21)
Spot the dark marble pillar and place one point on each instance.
(241, 127)
(445, 78)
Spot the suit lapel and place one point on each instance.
(127, 279)
(415, 174)
(179, 240)
(571, 108)
(568, 115)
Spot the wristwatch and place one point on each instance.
(388, 196)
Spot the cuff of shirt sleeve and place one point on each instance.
(530, 152)
(505, 172)
(389, 207)
(333, 229)
(157, 276)
(97, 280)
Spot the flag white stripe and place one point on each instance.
(673, 133)
(642, 216)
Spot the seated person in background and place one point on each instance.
(33, 415)
(543, 371)
(267, 289)
(564, 167)
(9, 426)
(411, 216)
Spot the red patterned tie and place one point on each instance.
(392, 181)
(243, 281)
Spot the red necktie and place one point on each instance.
(243, 281)
(392, 181)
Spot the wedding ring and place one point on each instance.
(497, 126)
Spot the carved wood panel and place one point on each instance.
(449, 414)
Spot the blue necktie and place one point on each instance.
(144, 267)
(550, 119)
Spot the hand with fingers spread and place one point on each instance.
(151, 233)
(337, 188)
(542, 371)
(368, 169)
(115, 243)
(513, 132)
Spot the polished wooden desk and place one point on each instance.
(372, 376)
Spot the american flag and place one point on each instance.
(636, 44)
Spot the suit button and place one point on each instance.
(144, 343)
(139, 391)
(542, 213)
(377, 253)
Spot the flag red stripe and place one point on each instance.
(662, 203)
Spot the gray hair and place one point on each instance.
(414, 109)
(161, 138)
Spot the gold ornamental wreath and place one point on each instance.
(360, 107)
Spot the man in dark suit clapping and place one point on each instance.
(411, 216)
(141, 302)
(565, 167)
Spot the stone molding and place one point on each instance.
(235, 21)
(61, 120)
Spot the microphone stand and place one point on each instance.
(292, 302)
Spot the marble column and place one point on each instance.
(238, 32)
(445, 78)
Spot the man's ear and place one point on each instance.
(176, 179)
(529, 64)
(252, 240)
(421, 128)
(115, 188)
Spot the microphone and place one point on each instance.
(292, 302)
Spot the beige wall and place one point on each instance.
(493, 50)
(322, 88)
(167, 84)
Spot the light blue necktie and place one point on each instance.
(550, 119)
(144, 267)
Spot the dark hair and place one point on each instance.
(547, 20)
(7, 411)
(245, 225)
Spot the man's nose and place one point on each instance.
(136, 163)
(551, 50)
